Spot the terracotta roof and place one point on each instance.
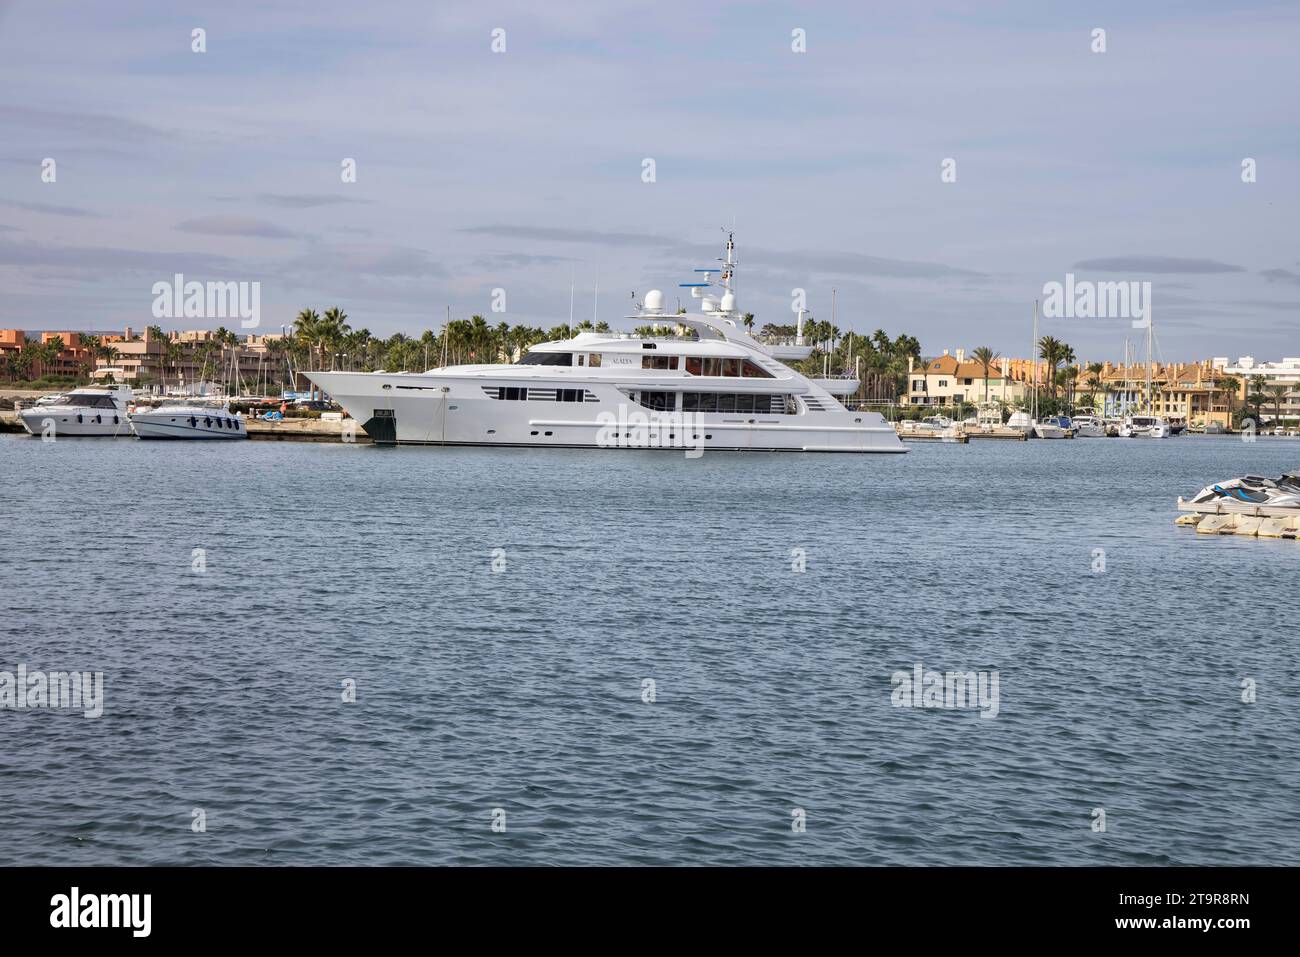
(948, 365)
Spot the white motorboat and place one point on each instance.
(1144, 427)
(1089, 427)
(934, 427)
(1021, 421)
(715, 387)
(935, 423)
(189, 419)
(1053, 427)
(91, 411)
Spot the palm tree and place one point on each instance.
(1065, 379)
(1256, 396)
(307, 328)
(1278, 392)
(1051, 350)
(985, 357)
(219, 340)
(1231, 386)
(924, 365)
(1095, 384)
(747, 320)
(333, 328)
(173, 353)
(25, 362)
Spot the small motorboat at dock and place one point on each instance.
(189, 419)
(88, 411)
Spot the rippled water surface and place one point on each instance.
(522, 689)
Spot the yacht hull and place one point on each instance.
(436, 409)
(84, 425)
(178, 427)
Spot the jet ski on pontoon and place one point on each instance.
(1249, 493)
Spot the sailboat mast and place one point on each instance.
(1033, 357)
(1151, 405)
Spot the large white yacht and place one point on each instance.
(90, 411)
(715, 387)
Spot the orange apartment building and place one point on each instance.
(74, 358)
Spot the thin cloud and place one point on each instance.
(305, 200)
(1156, 264)
(81, 124)
(234, 226)
(54, 210)
(558, 235)
(1281, 275)
(94, 260)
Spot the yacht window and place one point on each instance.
(547, 359)
(90, 401)
(713, 367)
(731, 367)
(763, 403)
(593, 360)
(659, 401)
(695, 365)
(582, 358)
(514, 393)
(754, 371)
(570, 395)
(658, 362)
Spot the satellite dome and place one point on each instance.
(728, 302)
(654, 301)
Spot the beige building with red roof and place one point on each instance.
(951, 379)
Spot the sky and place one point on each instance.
(524, 170)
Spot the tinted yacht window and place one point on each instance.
(547, 359)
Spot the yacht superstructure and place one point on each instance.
(712, 387)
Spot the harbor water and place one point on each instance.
(616, 657)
